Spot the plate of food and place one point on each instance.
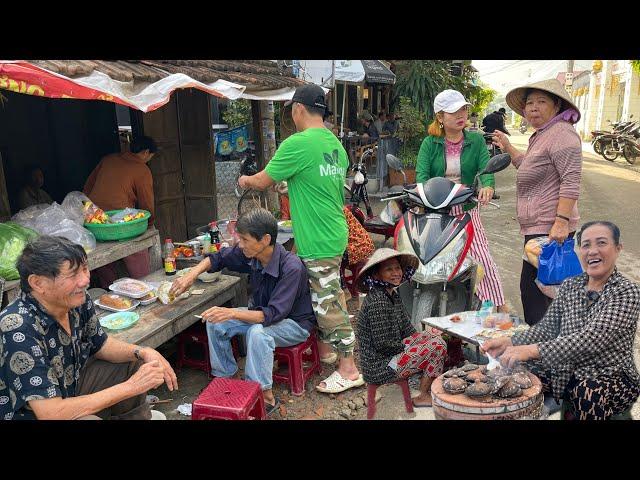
(148, 298)
(131, 288)
(116, 303)
(120, 320)
(285, 226)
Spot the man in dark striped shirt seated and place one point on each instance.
(279, 312)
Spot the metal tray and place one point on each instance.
(115, 287)
(133, 306)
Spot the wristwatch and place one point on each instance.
(136, 353)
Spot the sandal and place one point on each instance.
(336, 383)
(269, 409)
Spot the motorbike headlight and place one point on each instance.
(440, 268)
(358, 178)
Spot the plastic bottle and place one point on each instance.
(215, 237)
(169, 259)
(485, 310)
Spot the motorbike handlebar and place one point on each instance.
(475, 200)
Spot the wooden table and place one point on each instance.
(159, 323)
(105, 253)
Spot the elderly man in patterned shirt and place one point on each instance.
(56, 362)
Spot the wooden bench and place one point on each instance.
(159, 323)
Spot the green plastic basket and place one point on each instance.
(106, 232)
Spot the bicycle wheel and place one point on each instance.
(250, 200)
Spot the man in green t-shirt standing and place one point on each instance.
(314, 164)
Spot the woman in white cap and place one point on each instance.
(452, 152)
(390, 348)
(548, 179)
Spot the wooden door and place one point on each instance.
(166, 167)
(198, 166)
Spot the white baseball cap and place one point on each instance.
(449, 101)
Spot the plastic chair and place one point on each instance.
(294, 357)
(371, 397)
(229, 399)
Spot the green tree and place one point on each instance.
(635, 64)
(237, 113)
(411, 131)
(422, 80)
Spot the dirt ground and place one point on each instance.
(312, 405)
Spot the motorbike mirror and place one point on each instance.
(497, 163)
(394, 162)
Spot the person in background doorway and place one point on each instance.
(32, 192)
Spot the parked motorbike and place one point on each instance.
(358, 190)
(631, 149)
(616, 142)
(446, 278)
(609, 140)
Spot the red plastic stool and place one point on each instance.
(296, 375)
(350, 280)
(198, 334)
(371, 397)
(229, 399)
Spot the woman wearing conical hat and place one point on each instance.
(390, 348)
(549, 174)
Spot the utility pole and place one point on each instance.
(568, 78)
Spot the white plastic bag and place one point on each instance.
(50, 219)
(73, 206)
(76, 233)
(119, 217)
(27, 217)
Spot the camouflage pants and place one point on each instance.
(329, 304)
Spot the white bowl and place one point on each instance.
(209, 277)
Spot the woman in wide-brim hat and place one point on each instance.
(390, 347)
(548, 179)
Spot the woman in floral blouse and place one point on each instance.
(390, 348)
(583, 347)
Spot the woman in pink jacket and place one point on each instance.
(549, 174)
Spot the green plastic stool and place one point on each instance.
(566, 407)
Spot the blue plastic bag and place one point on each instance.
(558, 262)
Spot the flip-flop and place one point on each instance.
(269, 409)
(336, 383)
(415, 405)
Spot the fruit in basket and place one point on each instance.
(93, 214)
(130, 217)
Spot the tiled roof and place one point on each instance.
(254, 74)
